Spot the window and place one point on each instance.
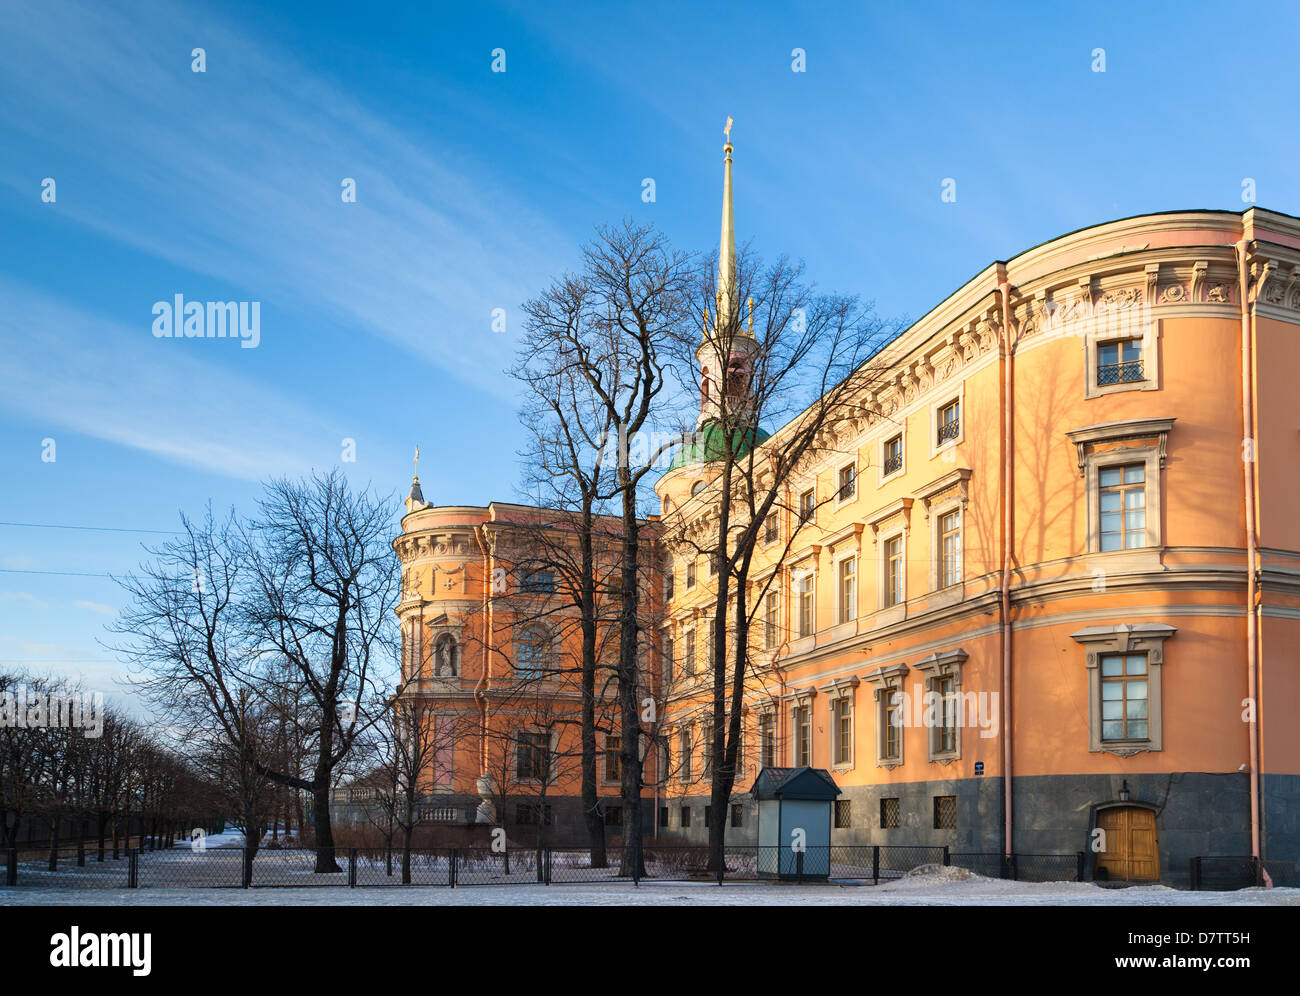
(413, 662)
(950, 547)
(686, 816)
(688, 659)
(802, 735)
(690, 573)
(684, 755)
(1125, 662)
(771, 528)
(1124, 697)
(696, 488)
(613, 758)
(947, 729)
(848, 482)
(945, 812)
(949, 427)
(1119, 362)
(945, 708)
(737, 816)
(893, 749)
(842, 714)
(767, 740)
(534, 655)
(713, 565)
(539, 583)
(1122, 501)
(843, 814)
(1120, 463)
(526, 814)
(708, 815)
(807, 506)
(711, 651)
(534, 757)
(889, 814)
(804, 598)
(893, 461)
(894, 571)
(706, 766)
(770, 610)
(668, 658)
(848, 589)
(669, 579)
(613, 816)
(663, 816)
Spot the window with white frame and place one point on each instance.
(688, 654)
(892, 456)
(1124, 667)
(807, 506)
(684, 754)
(842, 731)
(891, 715)
(848, 482)
(949, 547)
(895, 571)
(1121, 353)
(945, 708)
(804, 602)
(801, 742)
(948, 423)
(1121, 463)
(771, 620)
(847, 588)
(767, 739)
(690, 573)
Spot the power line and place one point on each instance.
(62, 574)
(97, 529)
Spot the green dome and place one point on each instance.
(709, 443)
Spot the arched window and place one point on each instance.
(696, 488)
(446, 657)
(534, 658)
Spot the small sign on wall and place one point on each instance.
(979, 768)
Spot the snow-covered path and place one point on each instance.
(922, 890)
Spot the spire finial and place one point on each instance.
(417, 461)
(726, 304)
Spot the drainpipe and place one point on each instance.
(1248, 472)
(480, 689)
(1008, 479)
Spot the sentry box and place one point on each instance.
(794, 822)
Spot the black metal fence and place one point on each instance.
(234, 867)
(1225, 873)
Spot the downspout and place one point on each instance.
(480, 689)
(1008, 480)
(1248, 473)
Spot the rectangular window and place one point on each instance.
(534, 761)
(802, 736)
(945, 812)
(539, 583)
(713, 565)
(767, 740)
(843, 814)
(848, 482)
(950, 548)
(1123, 507)
(893, 725)
(770, 609)
(946, 734)
(668, 581)
(843, 731)
(613, 816)
(526, 814)
(663, 816)
(893, 571)
(690, 573)
(1119, 362)
(894, 455)
(686, 816)
(684, 754)
(688, 658)
(737, 817)
(949, 423)
(706, 767)
(1125, 693)
(807, 506)
(848, 589)
(888, 814)
(804, 593)
(613, 758)
(668, 659)
(771, 529)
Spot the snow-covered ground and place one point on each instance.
(935, 886)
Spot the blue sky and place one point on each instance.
(474, 188)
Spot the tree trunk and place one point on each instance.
(325, 862)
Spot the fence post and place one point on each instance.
(722, 863)
(1080, 868)
(248, 867)
(947, 856)
(11, 874)
(133, 869)
(875, 864)
(1194, 873)
(546, 866)
(451, 868)
(352, 867)
(798, 865)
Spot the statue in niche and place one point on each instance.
(445, 657)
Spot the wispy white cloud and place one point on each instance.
(100, 607)
(66, 368)
(236, 173)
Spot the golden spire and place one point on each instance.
(726, 304)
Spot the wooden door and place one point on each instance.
(1132, 852)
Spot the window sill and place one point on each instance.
(1093, 391)
(1124, 748)
(891, 763)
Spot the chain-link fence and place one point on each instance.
(1225, 873)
